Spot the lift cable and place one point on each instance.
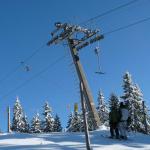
(127, 26)
(87, 21)
(10, 73)
(105, 34)
(33, 77)
(108, 12)
(115, 30)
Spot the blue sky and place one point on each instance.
(26, 25)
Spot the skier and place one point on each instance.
(124, 115)
(114, 117)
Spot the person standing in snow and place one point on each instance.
(124, 115)
(114, 117)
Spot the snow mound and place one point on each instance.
(103, 127)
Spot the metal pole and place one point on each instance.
(8, 111)
(145, 123)
(85, 118)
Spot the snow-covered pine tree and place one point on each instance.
(128, 96)
(133, 96)
(137, 108)
(138, 122)
(17, 122)
(113, 101)
(128, 89)
(36, 124)
(81, 122)
(69, 123)
(48, 119)
(26, 127)
(147, 120)
(75, 122)
(102, 109)
(57, 124)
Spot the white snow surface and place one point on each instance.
(72, 141)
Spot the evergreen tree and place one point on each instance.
(48, 119)
(57, 124)
(128, 96)
(81, 122)
(138, 122)
(17, 122)
(74, 123)
(25, 127)
(137, 109)
(134, 97)
(69, 123)
(113, 102)
(102, 109)
(128, 90)
(36, 124)
(147, 119)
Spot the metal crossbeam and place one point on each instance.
(67, 30)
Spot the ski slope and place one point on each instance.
(72, 141)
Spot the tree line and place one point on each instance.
(132, 96)
(48, 124)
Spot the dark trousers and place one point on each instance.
(114, 129)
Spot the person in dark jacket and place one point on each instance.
(114, 117)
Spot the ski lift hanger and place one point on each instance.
(97, 51)
(26, 67)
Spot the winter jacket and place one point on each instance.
(124, 114)
(114, 116)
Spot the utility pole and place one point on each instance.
(86, 89)
(87, 36)
(8, 121)
(85, 118)
(145, 123)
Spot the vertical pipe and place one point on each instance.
(8, 111)
(85, 118)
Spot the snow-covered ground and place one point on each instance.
(72, 141)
